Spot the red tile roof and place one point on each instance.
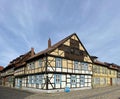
(112, 65)
(20, 61)
(100, 63)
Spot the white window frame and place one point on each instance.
(82, 80)
(57, 78)
(76, 65)
(58, 62)
(73, 79)
(40, 63)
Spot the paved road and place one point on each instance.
(9, 93)
(99, 93)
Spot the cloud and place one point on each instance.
(25, 24)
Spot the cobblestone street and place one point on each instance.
(99, 93)
(11, 93)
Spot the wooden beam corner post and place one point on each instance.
(46, 73)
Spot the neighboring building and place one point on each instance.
(118, 75)
(8, 75)
(20, 69)
(8, 72)
(1, 68)
(65, 64)
(100, 73)
(112, 74)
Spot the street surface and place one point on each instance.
(9, 93)
(99, 93)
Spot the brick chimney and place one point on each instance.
(32, 51)
(49, 43)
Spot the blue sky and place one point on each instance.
(30, 23)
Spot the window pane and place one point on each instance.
(58, 62)
(40, 63)
(82, 79)
(57, 79)
(73, 80)
(76, 65)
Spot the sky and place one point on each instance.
(30, 23)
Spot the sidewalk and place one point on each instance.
(112, 92)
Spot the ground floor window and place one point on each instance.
(82, 80)
(57, 78)
(39, 79)
(73, 79)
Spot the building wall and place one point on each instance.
(100, 76)
(55, 81)
(62, 63)
(104, 76)
(112, 77)
(68, 66)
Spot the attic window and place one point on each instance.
(72, 50)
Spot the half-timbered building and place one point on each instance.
(65, 64)
(1, 68)
(20, 69)
(9, 73)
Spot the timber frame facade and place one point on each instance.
(8, 75)
(64, 64)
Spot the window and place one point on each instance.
(40, 63)
(73, 79)
(31, 65)
(76, 65)
(82, 79)
(109, 71)
(58, 62)
(102, 70)
(84, 66)
(39, 79)
(30, 79)
(33, 79)
(98, 69)
(57, 79)
(95, 69)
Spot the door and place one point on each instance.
(111, 81)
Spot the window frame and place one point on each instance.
(82, 80)
(57, 78)
(58, 62)
(40, 63)
(73, 78)
(76, 65)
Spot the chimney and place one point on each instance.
(49, 43)
(32, 51)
